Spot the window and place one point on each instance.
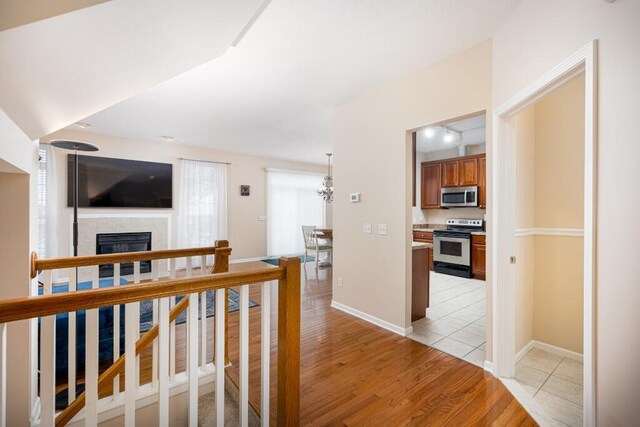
(291, 203)
(203, 204)
(47, 203)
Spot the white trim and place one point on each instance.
(372, 319)
(240, 260)
(564, 232)
(524, 350)
(488, 366)
(503, 215)
(563, 352)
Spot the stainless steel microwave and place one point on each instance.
(459, 197)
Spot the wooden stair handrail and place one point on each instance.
(117, 368)
(25, 308)
(89, 260)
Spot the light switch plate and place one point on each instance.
(382, 229)
(354, 197)
(262, 218)
(366, 227)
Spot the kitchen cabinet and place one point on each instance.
(450, 174)
(478, 256)
(458, 172)
(430, 185)
(419, 283)
(482, 182)
(425, 237)
(468, 172)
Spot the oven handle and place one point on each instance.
(452, 239)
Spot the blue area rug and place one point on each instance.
(274, 261)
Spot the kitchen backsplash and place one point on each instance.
(440, 216)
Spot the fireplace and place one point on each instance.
(110, 243)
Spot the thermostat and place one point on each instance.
(354, 197)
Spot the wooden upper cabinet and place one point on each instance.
(482, 182)
(450, 174)
(430, 185)
(468, 172)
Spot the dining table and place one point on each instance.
(324, 233)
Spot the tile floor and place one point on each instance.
(555, 382)
(455, 321)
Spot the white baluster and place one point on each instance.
(219, 356)
(265, 344)
(132, 327)
(71, 350)
(3, 375)
(116, 331)
(203, 317)
(189, 270)
(91, 361)
(192, 353)
(163, 363)
(136, 280)
(244, 355)
(172, 328)
(47, 362)
(154, 356)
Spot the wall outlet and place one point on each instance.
(366, 227)
(382, 229)
(262, 218)
(339, 282)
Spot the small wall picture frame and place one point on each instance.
(245, 190)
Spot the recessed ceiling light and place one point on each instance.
(83, 125)
(167, 138)
(429, 132)
(448, 137)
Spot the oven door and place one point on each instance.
(459, 197)
(452, 250)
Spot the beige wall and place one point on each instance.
(20, 12)
(247, 236)
(550, 181)
(525, 249)
(559, 203)
(537, 37)
(373, 156)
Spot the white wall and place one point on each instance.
(539, 35)
(247, 236)
(373, 156)
(18, 158)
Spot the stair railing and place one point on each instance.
(161, 335)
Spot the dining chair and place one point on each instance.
(313, 243)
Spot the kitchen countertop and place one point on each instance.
(421, 245)
(431, 227)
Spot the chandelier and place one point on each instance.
(326, 190)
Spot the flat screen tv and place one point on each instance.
(117, 183)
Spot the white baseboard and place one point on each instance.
(551, 349)
(372, 319)
(488, 366)
(241, 260)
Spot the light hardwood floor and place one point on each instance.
(355, 373)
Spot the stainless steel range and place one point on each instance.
(452, 247)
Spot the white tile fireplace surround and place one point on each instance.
(90, 225)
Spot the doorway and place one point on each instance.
(505, 217)
(449, 242)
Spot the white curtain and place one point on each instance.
(47, 203)
(203, 205)
(291, 203)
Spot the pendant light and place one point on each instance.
(326, 190)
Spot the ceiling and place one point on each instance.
(273, 94)
(472, 129)
(56, 71)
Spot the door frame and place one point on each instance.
(504, 212)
